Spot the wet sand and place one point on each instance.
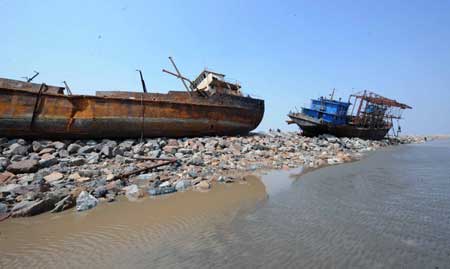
(98, 237)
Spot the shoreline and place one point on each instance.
(41, 176)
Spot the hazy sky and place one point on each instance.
(285, 53)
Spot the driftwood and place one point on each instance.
(145, 169)
(151, 159)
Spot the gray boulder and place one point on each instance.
(48, 161)
(23, 167)
(107, 151)
(85, 201)
(73, 148)
(86, 149)
(132, 192)
(36, 146)
(37, 207)
(3, 208)
(10, 188)
(76, 161)
(183, 185)
(92, 158)
(63, 153)
(100, 191)
(17, 149)
(58, 145)
(4, 162)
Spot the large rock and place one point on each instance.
(161, 190)
(74, 176)
(183, 184)
(48, 160)
(59, 145)
(3, 208)
(36, 146)
(107, 151)
(55, 176)
(16, 158)
(92, 158)
(165, 184)
(85, 201)
(67, 202)
(4, 162)
(37, 207)
(5, 177)
(83, 179)
(73, 148)
(196, 160)
(86, 149)
(21, 205)
(100, 191)
(126, 145)
(63, 153)
(133, 192)
(46, 151)
(203, 185)
(20, 150)
(76, 161)
(138, 149)
(22, 167)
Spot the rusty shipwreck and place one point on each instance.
(365, 115)
(209, 106)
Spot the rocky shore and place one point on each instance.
(41, 176)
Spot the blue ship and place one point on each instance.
(366, 115)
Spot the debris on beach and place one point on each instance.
(135, 168)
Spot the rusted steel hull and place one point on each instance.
(310, 127)
(125, 115)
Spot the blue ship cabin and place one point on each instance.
(329, 111)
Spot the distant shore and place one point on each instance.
(41, 176)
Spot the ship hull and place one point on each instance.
(311, 127)
(28, 114)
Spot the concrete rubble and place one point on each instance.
(41, 176)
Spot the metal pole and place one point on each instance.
(144, 88)
(67, 88)
(35, 75)
(180, 76)
(360, 106)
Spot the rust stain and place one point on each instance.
(126, 114)
(78, 106)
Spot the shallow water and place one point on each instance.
(390, 210)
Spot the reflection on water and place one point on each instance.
(390, 210)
